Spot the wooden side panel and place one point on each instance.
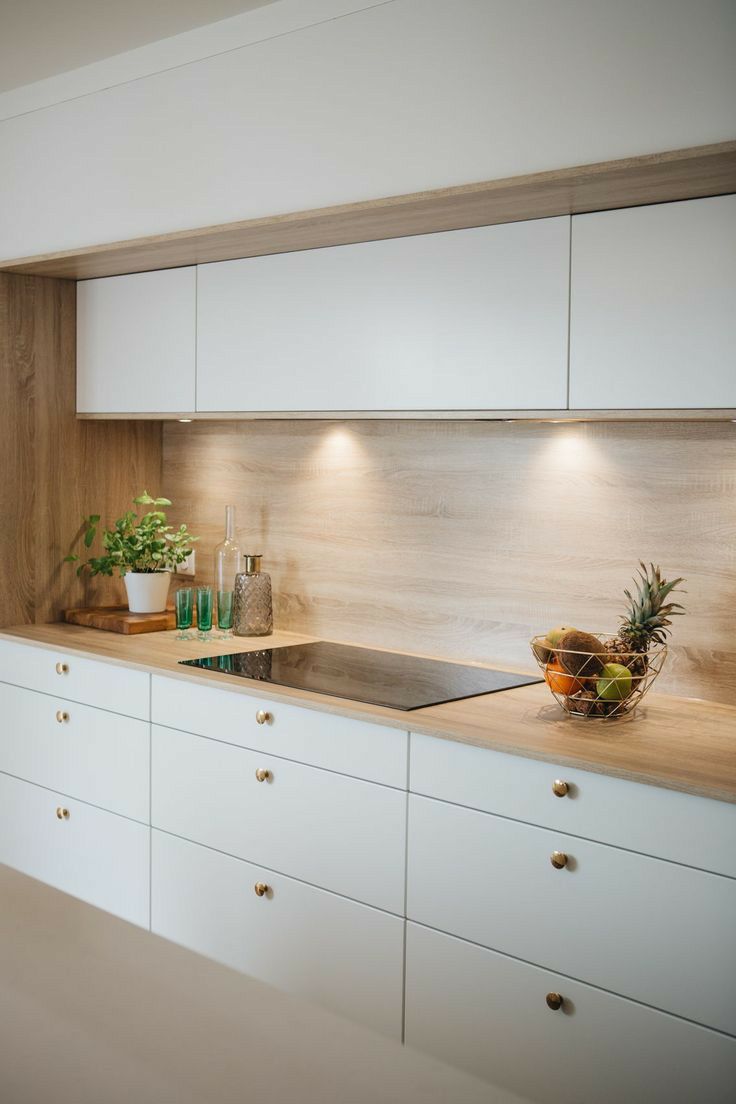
(55, 469)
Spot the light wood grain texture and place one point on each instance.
(679, 743)
(119, 619)
(466, 539)
(654, 178)
(55, 469)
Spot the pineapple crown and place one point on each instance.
(648, 616)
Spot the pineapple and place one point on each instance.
(647, 619)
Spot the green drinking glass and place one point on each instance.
(204, 612)
(225, 614)
(183, 604)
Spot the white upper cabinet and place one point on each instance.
(653, 306)
(464, 320)
(136, 343)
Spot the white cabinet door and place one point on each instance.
(86, 753)
(75, 678)
(136, 343)
(339, 833)
(653, 306)
(341, 954)
(681, 827)
(651, 930)
(94, 855)
(462, 320)
(340, 744)
(488, 1014)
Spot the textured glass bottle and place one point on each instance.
(252, 605)
(228, 557)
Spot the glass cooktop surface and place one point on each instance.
(363, 674)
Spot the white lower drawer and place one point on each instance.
(338, 953)
(651, 930)
(488, 1014)
(87, 753)
(94, 855)
(339, 833)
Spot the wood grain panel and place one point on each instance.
(654, 178)
(464, 539)
(678, 743)
(55, 468)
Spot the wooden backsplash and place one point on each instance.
(464, 539)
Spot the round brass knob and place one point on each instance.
(62, 668)
(263, 774)
(61, 716)
(263, 716)
(261, 889)
(558, 859)
(554, 1001)
(62, 813)
(560, 788)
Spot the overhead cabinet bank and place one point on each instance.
(642, 301)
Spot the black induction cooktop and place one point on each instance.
(363, 674)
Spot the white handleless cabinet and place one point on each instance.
(653, 306)
(136, 343)
(462, 320)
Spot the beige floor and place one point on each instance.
(95, 1011)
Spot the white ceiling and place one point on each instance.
(40, 38)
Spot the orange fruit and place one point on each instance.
(560, 681)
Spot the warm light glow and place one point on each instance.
(185, 420)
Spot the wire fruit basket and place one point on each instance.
(598, 684)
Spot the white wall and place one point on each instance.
(395, 97)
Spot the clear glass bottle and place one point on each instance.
(228, 556)
(252, 603)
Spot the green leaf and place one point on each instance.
(144, 499)
(71, 558)
(162, 502)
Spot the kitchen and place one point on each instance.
(458, 395)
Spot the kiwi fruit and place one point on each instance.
(543, 650)
(581, 653)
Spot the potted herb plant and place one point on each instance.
(143, 549)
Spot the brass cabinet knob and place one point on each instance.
(62, 668)
(554, 1001)
(261, 889)
(263, 716)
(62, 813)
(61, 716)
(558, 859)
(560, 788)
(263, 774)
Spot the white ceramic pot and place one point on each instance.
(147, 590)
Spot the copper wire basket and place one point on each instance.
(578, 686)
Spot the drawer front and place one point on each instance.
(364, 750)
(655, 821)
(76, 679)
(488, 1014)
(95, 756)
(338, 833)
(97, 856)
(660, 933)
(341, 954)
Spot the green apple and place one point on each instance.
(614, 682)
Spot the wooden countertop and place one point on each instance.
(678, 743)
(95, 1010)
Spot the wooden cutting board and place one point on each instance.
(119, 619)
